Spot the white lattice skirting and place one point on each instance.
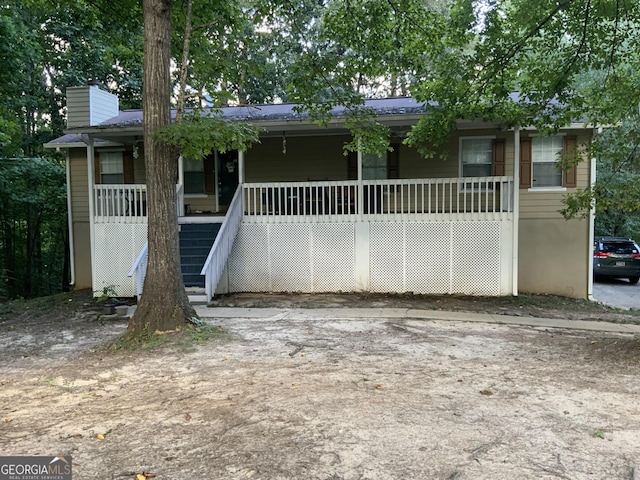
(468, 257)
(116, 247)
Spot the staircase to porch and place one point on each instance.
(195, 241)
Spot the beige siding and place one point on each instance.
(316, 158)
(89, 106)
(545, 204)
(79, 185)
(553, 257)
(139, 172)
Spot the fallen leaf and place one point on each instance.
(7, 420)
(295, 384)
(141, 476)
(100, 436)
(187, 417)
(486, 392)
(164, 332)
(378, 387)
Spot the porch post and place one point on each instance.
(592, 218)
(240, 167)
(216, 179)
(91, 183)
(180, 170)
(360, 186)
(516, 209)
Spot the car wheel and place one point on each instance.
(633, 280)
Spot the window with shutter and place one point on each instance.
(478, 159)
(545, 153)
(539, 162)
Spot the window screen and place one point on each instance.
(193, 175)
(476, 155)
(111, 168)
(545, 153)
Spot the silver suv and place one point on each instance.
(616, 257)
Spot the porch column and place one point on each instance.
(592, 218)
(180, 170)
(516, 208)
(240, 167)
(91, 183)
(360, 186)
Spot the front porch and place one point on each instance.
(439, 235)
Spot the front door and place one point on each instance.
(227, 176)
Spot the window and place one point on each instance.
(476, 156)
(193, 176)
(111, 168)
(545, 153)
(374, 167)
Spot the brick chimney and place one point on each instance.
(89, 105)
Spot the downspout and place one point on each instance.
(516, 209)
(592, 219)
(91, 183)
(72, 261)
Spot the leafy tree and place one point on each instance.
(164, 305)
(32, 226)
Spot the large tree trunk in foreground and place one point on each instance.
(164, 304)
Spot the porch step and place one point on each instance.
(196, 295)
(196, 240)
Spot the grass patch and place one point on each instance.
(186, 339)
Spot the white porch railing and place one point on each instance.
(478, 198)
(221, 248)
(120, 203)
(126, 203)
(180, 200)
(139, 268)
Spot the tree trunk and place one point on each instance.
(164, 304)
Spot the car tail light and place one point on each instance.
(601, 255)
(636, 255)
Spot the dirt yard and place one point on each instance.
(290, 397)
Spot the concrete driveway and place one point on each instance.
(617, 293)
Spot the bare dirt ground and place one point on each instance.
(292, 397)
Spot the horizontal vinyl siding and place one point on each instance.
(103, 105)
(79, 184)
(316, 158)
(546, 204)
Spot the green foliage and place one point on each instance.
(33, 226)
(198, 134)
(616, 194)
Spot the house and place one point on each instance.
(293, 213)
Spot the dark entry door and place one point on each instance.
(227, 176)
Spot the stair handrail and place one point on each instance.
(139, 268)
(222, 245)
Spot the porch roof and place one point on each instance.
(389, 108)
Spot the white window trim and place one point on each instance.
(196, 195)
(547, 189)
